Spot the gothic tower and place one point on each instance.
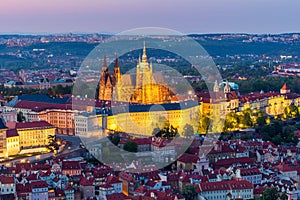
(117, 71)
(144, 78)
(105, 83)
(117, 78)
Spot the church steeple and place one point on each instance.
(216, 86)
(227, 87)
(144, 57)
(104, 65)
(117, 71)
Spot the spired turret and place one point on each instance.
(117, 71)
(104, 65)
(227, 88)
(216, 86)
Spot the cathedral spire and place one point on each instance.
(104, 65)
(117, 61)
(117, 71)
(144, 57)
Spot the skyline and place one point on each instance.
(93, 16)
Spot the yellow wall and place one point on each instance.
(276, 105)
(35, 137)
(12, 145)
(143, 123)
(3, 143)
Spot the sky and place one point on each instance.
(113, 16)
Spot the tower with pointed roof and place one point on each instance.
(106, 83)
(216, 86)
(285, 89)
(144, 78)
(227, 87)
(117, 71)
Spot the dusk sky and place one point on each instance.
(187, 16)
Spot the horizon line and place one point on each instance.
(114, 33)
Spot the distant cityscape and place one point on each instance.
(253, 112)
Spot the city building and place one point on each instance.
(7, 187)
(3, 129)
(33, 134)
(233, 189)
(12, 142)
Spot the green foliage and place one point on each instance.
(52, 145)
(20, 117)
(278, 135)
(204, 125)
(115, 140)
(267, 83)
(291, 112)
(57, 90)
(188, 130)
(245, 119)
(165, 129)
(189, 192)
(130, 146)
(270, 194)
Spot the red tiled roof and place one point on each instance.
(29, 125)
(20, 188)
(11, 133)
(37, 167)
(68, 187)
(22, 166)
(125, 176)
(150, 183)
(142, 141)
(70, 165)
(41, 106)
(285, 87)
(120, 196)
(86, 182)
(257, 96)
(228, 162)
(287, 168)
(6, 180)
(113, 180)
(39, 184)
(251, 171)
(188, 158)
(140, 189)
(225, 185)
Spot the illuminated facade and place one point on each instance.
(62, 119)
(3, 129)
(143, 119)
(33, 134)
(12, 142)
(221, 103)
(141, 88)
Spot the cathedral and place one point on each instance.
(142, 87)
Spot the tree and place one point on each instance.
(204, 125)
(188, 131)
(130, 146)
(20, 117)
(270, 194)
(165, 129)
(189, 192)
(52, 143)
(291, 112)
(284, 196)
(115, 140)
